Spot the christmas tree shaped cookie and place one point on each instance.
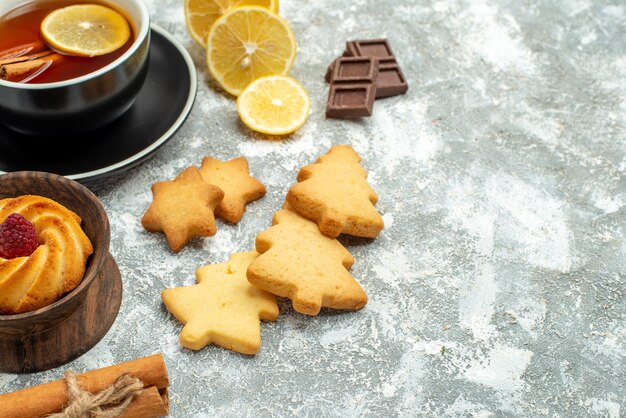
(298, 262)
(223, 308)
(335, 194)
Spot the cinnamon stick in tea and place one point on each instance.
(48, 398)
(25, 70)
(23, 58)
(21, 50)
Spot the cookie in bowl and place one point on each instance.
(64, 330)
(43, 253)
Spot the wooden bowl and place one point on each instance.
(62, 331)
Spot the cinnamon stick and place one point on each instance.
(21, 50)
(28, 57)
(48, 398)
(149, 403)
(23, 71)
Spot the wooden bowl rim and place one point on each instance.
(97, 259)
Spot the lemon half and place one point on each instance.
(248, 43)
(201, 14)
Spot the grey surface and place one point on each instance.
(498, 286)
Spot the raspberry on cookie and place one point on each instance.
(17, 237)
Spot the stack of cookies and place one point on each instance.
(185, 208)
(298, 258)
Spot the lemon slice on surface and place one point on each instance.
(248, 43)
(86, 30)
(274, 105)
(201, 14)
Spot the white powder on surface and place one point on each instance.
(604, 407)
(394, 268)
(496, 37)
(476, 303)
(502, 369)
(391, 134)
(608, 204)
(534, 220)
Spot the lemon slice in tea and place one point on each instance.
(86, 30)
(201, 14)
(248, 43)
(274, 105)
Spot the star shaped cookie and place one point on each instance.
(239, 187)
(223, 308)
(183, 208)
(298, 262)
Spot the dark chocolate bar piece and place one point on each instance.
(367, 70)
(350, 49)
(349, 101)
(377, 48)
(390, 81)
(355, 70)
(329, 71)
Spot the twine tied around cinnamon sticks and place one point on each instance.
(108, 403)
(151, 401)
